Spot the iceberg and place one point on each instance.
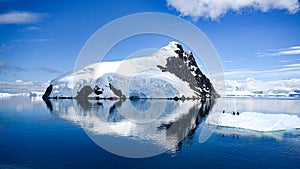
(255, 121)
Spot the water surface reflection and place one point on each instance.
(151, 126)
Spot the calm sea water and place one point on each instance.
(67, 134)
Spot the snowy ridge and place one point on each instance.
(255, 121)
(168, 73)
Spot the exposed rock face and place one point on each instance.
(85, 92)
(185, 67)
(48, 91)
(170, 73)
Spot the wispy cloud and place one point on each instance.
(213, 9)
(40, 40)
(228, 61)
(19, 17)
(31, 28)
(4, 47)
(20, 72)
(291, 51)
(49, 70)
(284, 61)
(294, 50)
(34, 40)
(286, 71)
(293, 65)
(2, 64)
(6, 68)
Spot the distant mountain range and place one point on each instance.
(256, 88)
(20, 88)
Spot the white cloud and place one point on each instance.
(289, 52)
(17, 17)
(213, 9)
(19, 81)
(294, 50)
(293, 65)
(286, 72)
(295, 47)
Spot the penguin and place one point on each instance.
(223, 111)
(237, 113)
(233, 113)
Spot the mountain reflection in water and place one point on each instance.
(163, 123)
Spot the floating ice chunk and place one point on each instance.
(255, 121)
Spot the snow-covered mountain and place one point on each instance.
(170, 72)
(256, 88)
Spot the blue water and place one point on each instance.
(32, 136)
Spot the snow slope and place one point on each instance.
(170, 72)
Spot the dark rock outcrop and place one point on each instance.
(116, 91)
(48, 91)
(84, 92)
(185, 67)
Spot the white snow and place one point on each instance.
(255, 121)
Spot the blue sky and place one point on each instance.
(39, 40)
